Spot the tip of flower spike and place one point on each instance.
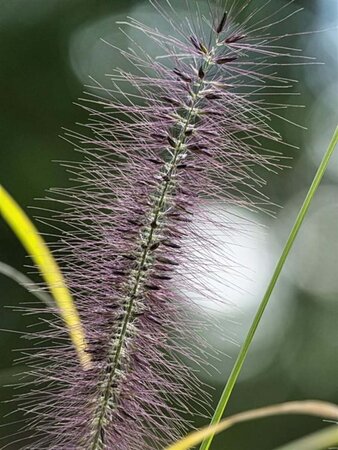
(235, 38)
(222, 23)
(201, 73)
(182, 76)
(226, 60)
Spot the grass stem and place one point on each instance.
(256, 321)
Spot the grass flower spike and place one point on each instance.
(162, 141)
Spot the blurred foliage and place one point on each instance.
(42, 61)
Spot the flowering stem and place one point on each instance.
(249, 338)
(148, 240)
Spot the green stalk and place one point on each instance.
(249, 338)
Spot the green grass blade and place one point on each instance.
(320, 440)
(44, 260)
(26, 282)
(248, 340)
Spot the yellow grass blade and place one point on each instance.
(312, 408)
(39, 252)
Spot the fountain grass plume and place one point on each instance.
(161, 142)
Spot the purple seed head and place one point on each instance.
(148, 169)
(222, 23)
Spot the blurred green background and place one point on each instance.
(48, 48)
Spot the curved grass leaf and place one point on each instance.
(40, 254)
(26, 282)
(312, 408)
(320, 440)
